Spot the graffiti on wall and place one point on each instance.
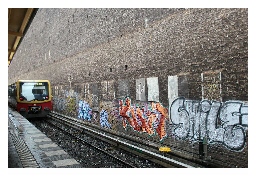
(104, 119)
(94, 116)
(149, 119)
(84, 111)
(218, 122)
(215, 121)
(71, 106)
(71, 98)
(115, 111)
(65, 100)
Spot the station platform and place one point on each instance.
(30, 148)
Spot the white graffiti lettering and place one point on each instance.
(224, 123)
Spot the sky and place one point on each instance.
(126, 4)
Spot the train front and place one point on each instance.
(34, 98)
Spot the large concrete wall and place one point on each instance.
(193, 62)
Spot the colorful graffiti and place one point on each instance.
(94, 116)
(65, 101)
(194, 120)
(104, 119)
(71, 106)
(150, 119)
(217, 122)
(84, 110)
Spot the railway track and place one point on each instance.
(89, 144)
(145, 150)
(87, 150)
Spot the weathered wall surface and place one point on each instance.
(176, 77)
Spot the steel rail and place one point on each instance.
(155, 157)
(95, 147)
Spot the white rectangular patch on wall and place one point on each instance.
(140, 89)
(172, 88)
(107, 90)
(86, 91)
(153, 89)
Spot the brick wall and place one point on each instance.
(104, 54)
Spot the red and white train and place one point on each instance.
(31, 98)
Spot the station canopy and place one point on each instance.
(18, 23)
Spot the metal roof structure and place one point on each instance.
(18, 23)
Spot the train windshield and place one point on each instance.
(34, 91)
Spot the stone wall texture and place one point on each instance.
(193, 62)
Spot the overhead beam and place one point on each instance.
(23, 26)
(26, 19)
(11, 50)
(11, 56)
(15, 33)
